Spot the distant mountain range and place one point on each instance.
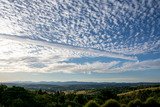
(73, 85)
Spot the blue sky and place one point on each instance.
(80, 40)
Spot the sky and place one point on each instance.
(80, 40)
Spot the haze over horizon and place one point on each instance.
(80, 40)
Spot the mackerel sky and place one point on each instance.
(80, 40)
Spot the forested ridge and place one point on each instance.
(140, 96)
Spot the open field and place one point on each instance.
(139, 90)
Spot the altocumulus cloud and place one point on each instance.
(39, 36)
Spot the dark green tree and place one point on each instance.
(13, 93)
(2, 89)
(91, 103)
(123, 105)
(71, 104)
(111, 103)
(105, 94)
(151, 102)
(135, 103)
(17, 103)
(81, 99)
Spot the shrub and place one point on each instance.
(71, 104)
(131, 104)
(151, 102)
(123, 105)
(135, 103)
(91, 103)
(158, 100)
(17, 103)
(111, 103)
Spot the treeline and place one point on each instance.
(107, 97)
(65, 86)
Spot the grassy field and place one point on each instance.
(136, 91)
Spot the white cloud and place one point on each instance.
(38, 36)
(66, 50)
(139, 66)
(22, 56)
(102, 25)
(25, 55)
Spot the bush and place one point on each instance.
(138, 103)
(135, 103)
(123, 105)
(131, 104)
(71, 104)
(111, 103)
(1, 105)
(91, 103)
(158, 100)
(151, 102)
(18, 103)
(81, 99)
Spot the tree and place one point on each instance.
(17, 103)
(12, 93)
(2, 89)
(111, 103)
(91, 103)
(131, 104)
(151, 102)
(158, 100)
(70, 96)
(71, 104)
(123, 105)
(105, 94)
(80, 98)
(138, 103)
(135, 103)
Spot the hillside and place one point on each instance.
(131, 93)
(139, 96)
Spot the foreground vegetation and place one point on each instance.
(106, 97)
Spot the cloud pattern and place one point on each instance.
(39, 35)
